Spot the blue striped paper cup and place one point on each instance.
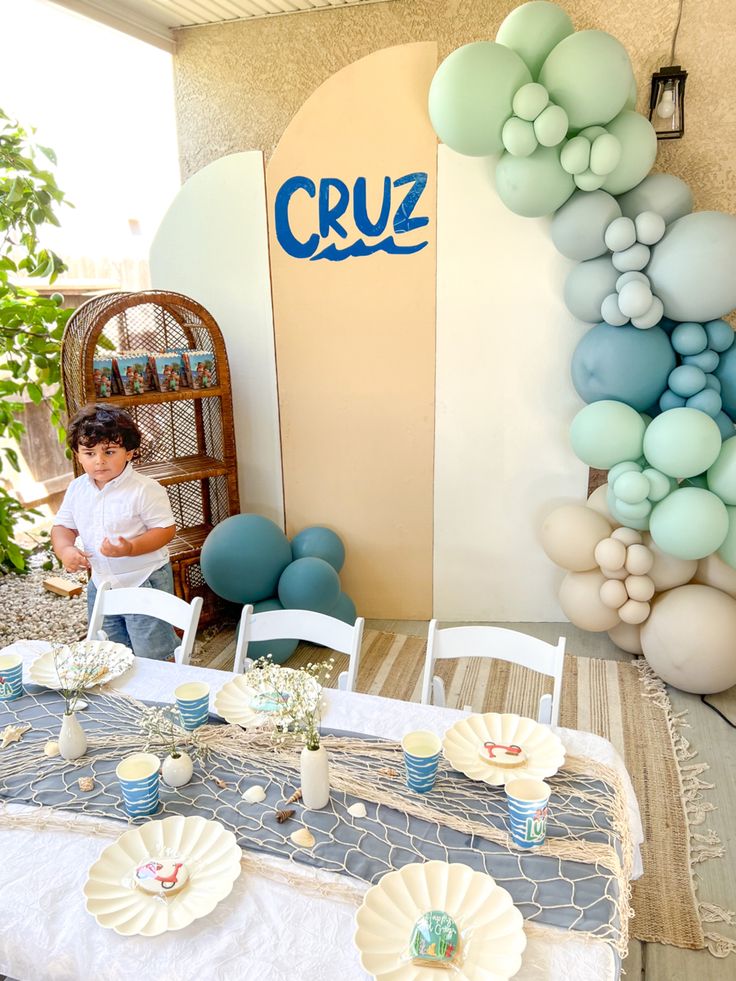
(138, 776)
(11, 677)
(422, 750)
(527, 801)
(193, 702)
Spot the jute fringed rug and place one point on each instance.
(622, 701)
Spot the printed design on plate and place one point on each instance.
(161, 876)
(501, 755)
(434, 939)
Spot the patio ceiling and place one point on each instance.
(155, 20)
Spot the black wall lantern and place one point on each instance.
(667, 102)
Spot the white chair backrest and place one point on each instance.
(504, 645)
(316, 628)
(152, 603)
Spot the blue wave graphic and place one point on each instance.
(360, 248)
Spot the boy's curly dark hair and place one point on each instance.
(95, 424)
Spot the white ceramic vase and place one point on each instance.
(72, 740)
(315, 775)
(177, 770)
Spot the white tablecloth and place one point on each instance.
(264, 930)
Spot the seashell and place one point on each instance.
(254, 794)
(303, 838)
(357, 810)
(86, 784)
(51, 748)
(12, 734)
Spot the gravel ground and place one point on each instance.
(30, 612)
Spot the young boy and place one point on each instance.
(124, 521)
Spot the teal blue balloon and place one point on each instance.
(708, 401)
(309, 584)
(319, 543)
(693, 267)
(243, 557)
(587, 285)
(665, 194)
(682, 442)
(588, 74)
(689, 523)
(281, 649)
(720, 335)
(707, 361)
(686, 380)
(725, 374)
(533, 30)
(721, 475)
(638, 150)
(579, 225)
(689, 338)
(533, 186)
(725, 425)
(606, 433)
(344, 610)
(727, 550)
(470, 96)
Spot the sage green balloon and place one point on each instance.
(575, 156)
(631, 99)
(682, 442)
(470, 96)
(530, 100)
(727, 550)
(689, 523)
(605, 154)
(587, 285)
(722, 474)
(588, 74)
(550, 126)
(533, 186)
(518, 137)
(638, 149)
(533, 30)
(606, 433)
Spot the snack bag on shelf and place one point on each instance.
(167, 371)
(200, 368)
(104, 378)
(133, 375)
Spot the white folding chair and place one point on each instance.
(501, 644)
(152, 603)
(317, 628)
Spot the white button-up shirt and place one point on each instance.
(127, 506)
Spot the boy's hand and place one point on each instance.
(73, 559)
(124, 547)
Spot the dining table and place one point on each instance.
(271, 927)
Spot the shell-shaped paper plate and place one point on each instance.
(207, 850)
(463, 747)
(490, 928)
(234, 702)
(115, 659)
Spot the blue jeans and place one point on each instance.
(146, 636)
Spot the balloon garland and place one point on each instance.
(654, 561)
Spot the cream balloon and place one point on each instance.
(598, 501)
(610, 553)
(667, 572)
(581, 601)
(570, 534)
(615, 573)
(626, 535)
(627, 637)
(639, 560)
(634, 612)
(713, 571)
(639, 588)
(688, 638)
(613, 593)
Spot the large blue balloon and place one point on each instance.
(243, 557)
(309, 584)
(281, 649)
(345, 610)
(623, 364)
(319, 543)
(664, 194)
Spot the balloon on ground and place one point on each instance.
(243, 558)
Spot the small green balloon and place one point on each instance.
(530, 100)
(575, 156)
(470, 96)
(727, 551)
(605, 154)
(606, 433)
(588, 181)
(632, 488)
(660, 484)
(689, 523)
(682, 442)
(533, 186)
(518, 137)
(551, 126)
(722, 474)
(533, 30)
(588, 74)
(638, 143)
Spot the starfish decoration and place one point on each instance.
(12, 734)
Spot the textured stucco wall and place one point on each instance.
(239, 84)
